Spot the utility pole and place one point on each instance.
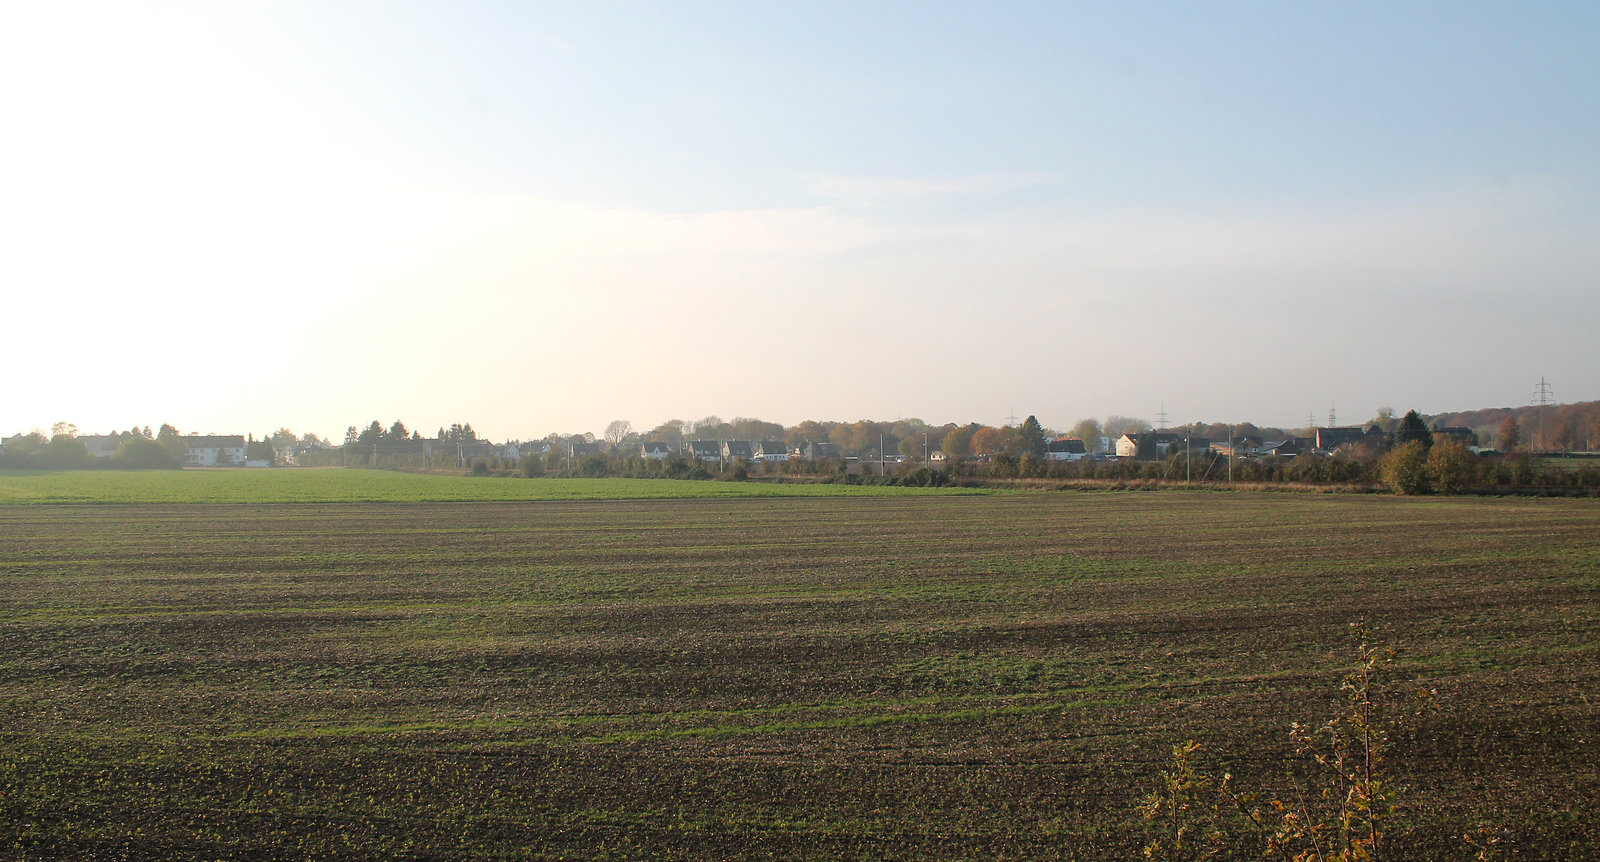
(1542, 398)
(1187, 472)
(1231, 444)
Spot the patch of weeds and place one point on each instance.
(1345, 806)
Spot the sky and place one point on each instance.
(535, 218)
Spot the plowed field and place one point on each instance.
(995, 677)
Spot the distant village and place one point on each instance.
(460, 446)
(1532, 451)
(1130, 446)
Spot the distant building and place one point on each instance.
(1329, 439)
(655, 450)
(209, 450)
(705, 451)
(771, 451)
(1241, 447)
(1466, 436)
(1287, 448)
(100, 445)
(1066, 449)
(1157, 444)
(818, 451)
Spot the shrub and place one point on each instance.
(143, 453)
(592, 467)
(925, 477)
(1405, 468)
(1003, 466)
(1451, 466)
(1033, 467)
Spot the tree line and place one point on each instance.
(137, 448)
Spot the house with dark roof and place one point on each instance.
(1464, 435)
(707, 451)
(655, 450)
(732, 450)
(1066, 449)
(770, 451)
(1328, 439)
(1287, 448)
(817, 451)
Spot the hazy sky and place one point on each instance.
(542, 217)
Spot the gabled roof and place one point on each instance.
(737, 448)
(1458, 433)
(1069, 445)
(1333, 438)
(771, 447)
(214, 441)
(1158, 436)
(651, 446)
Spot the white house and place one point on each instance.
(210, 450)
(100, 445)
(1128, 444)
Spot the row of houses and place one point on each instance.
(1322, 441)
(199, 450)
(210, 450)
(754, 451)
(1160, 443)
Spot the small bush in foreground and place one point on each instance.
(1343, 807)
